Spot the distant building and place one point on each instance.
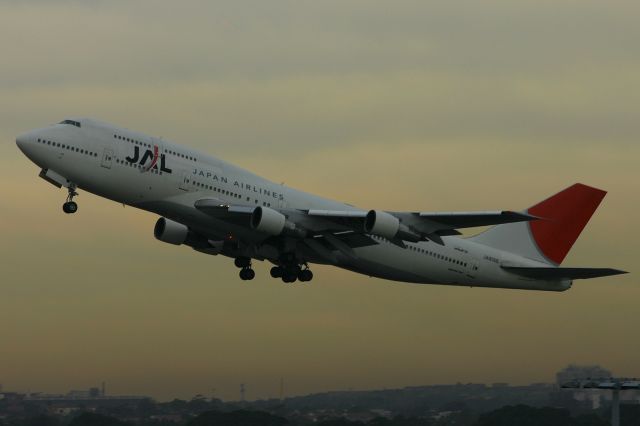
(581, 372)
(89, 399)
(593, 396)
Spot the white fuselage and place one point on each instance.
(105, 160)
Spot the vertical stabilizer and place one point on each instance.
(563, 216)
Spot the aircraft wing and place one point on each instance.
(394, 226)
(293, 218)
(459, 220)
(323, 238)
(297, 224)
(418, 226)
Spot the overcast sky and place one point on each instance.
(415, 105)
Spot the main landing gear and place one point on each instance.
(70, 206)
(246, 273)
(291, 273)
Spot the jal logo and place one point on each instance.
(149, 155)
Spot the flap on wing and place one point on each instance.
(326, 245)
(552, 273)
(350, 238)
(337, 220)
(338, 213)
(238, 215)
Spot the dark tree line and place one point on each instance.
(520, 415)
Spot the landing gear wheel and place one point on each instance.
(70, 207)
(305, 275)
(289, 278)
(250, 274)
(247, 274)
(277, 272)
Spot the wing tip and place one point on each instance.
(618, 271)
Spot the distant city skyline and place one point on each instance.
(568, 373)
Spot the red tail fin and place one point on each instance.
(564, 216)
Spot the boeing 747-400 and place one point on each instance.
(215, 207)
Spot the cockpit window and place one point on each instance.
(73, 123)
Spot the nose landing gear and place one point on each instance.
(70, 206)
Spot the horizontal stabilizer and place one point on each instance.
(552, 273)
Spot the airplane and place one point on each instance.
(215, 207)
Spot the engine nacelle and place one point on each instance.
(381, 223)
(170, 232)
(269, 221)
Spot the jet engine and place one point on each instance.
(386, 225)
(170, 232)
(381, 223)
(269, 221)
(272, 222)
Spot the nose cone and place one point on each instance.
(23, 141)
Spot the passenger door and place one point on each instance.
(107, 158)
(473, 265)
(184, 181)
